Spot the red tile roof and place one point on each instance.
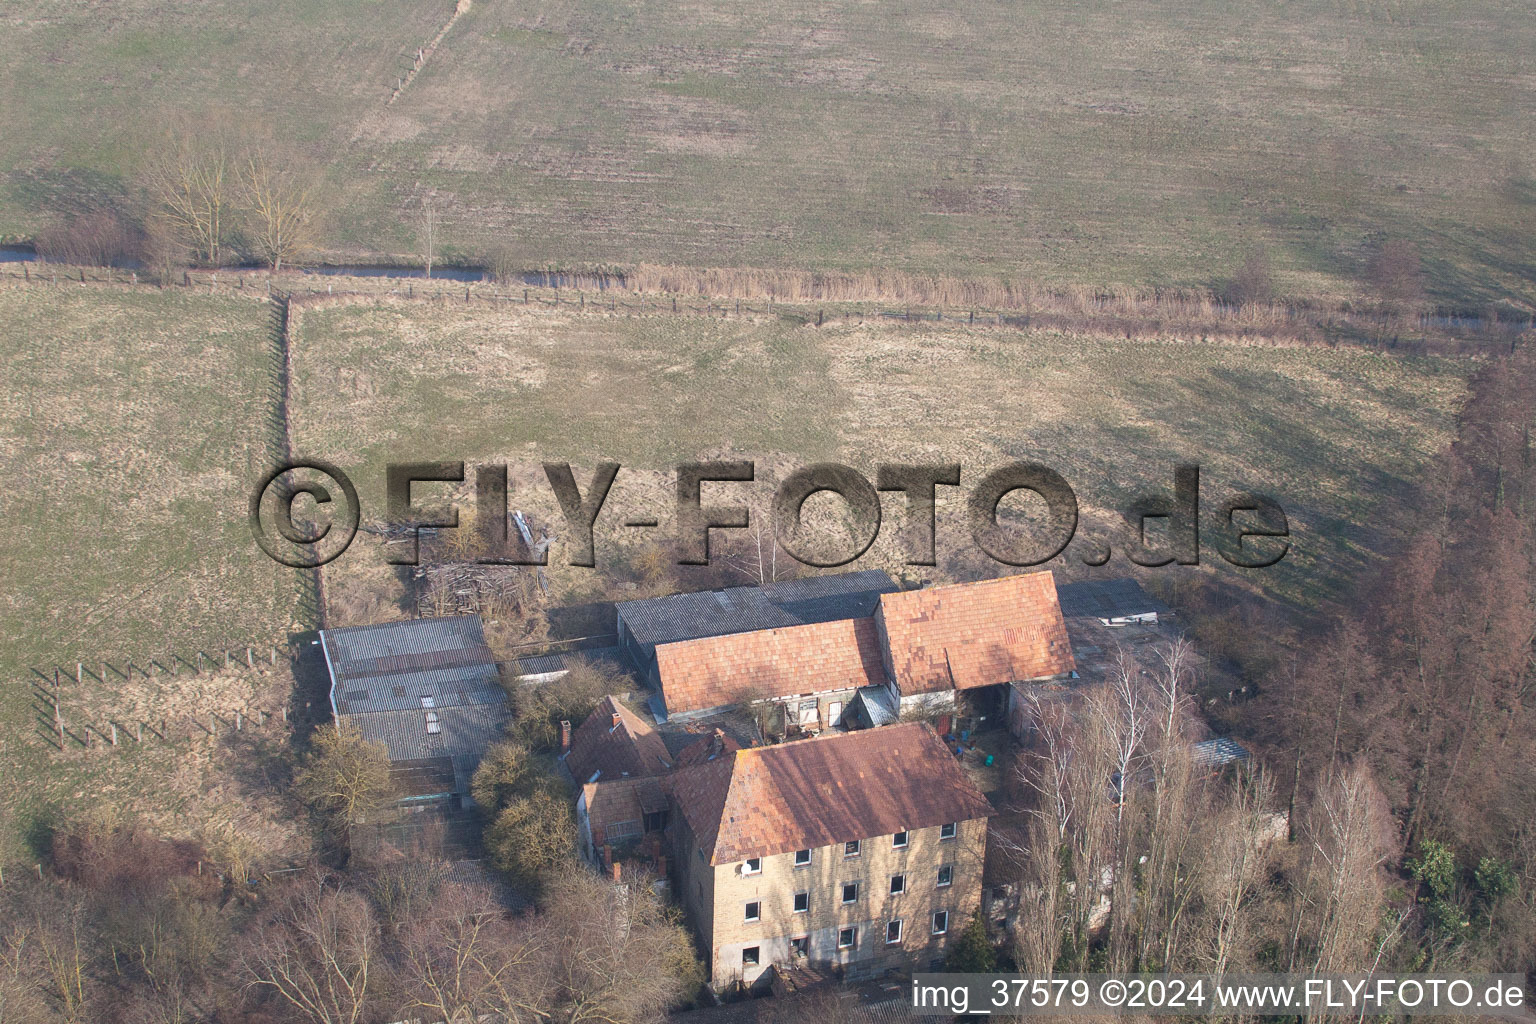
(763, 801)
(622, 802)
(718, 671)
(975, 634)
(616, 742)
(706, 748)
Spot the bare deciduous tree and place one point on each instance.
(1342, 891)
(192, 183)
(317, 951)
(616, 956)
(279, 201)
(1239, 839)
(426, 234)
(466, 961)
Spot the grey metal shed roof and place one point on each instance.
(1107, 599)
(391, 666)
(1219, 752)
(466, 731)
(663, 620)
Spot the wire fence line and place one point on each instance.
(1098, 314)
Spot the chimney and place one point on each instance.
(565, 735)
(615, 719)
(617, 870)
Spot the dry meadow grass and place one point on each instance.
(1336, 435)
(1142, 143)
(134, 422)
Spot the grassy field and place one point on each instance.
(134, 422)
(1149, 142)
(1335, 435)
(137, 419)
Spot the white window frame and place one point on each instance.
(857, 851)
(898, 884)
(944, 883)
(802, 863)
(805, 909)
(899, 929)
(748, 869)
(757, 959)
(748, 914)
(954, 830)
(905, 838)
(933, 924)
(853, 931)
(844, 893)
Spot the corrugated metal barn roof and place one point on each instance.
(464, 732)
(393, 665)
(662, 620)
(1107, 599)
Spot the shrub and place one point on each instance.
(530, 838)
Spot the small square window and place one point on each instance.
(893, 932)
(898, 884)
(752, 866)
(433, 725)
(802, 858)
(802, 902)
(899, 840)
(947, 831)
(847, 938)
(749, 956)
(753, 911)
(851, 848)
(427, 701)
(940, 922)
(800, 945)
(946, 875)
(850, 892)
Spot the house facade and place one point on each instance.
(856, 851)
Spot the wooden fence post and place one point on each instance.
(250, 659)
(113, 727)
(198, 670)
(138, 731)
(239, 725)
(79, 672)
